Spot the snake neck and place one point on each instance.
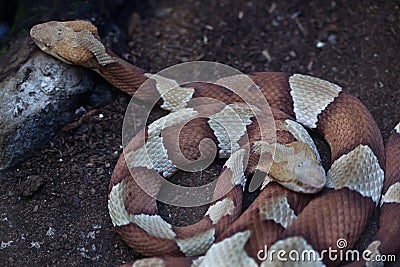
(127, 78)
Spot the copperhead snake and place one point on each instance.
(287, 214)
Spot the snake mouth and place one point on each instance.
(46, 47)
(61, 58)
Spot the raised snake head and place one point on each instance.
(73, 42)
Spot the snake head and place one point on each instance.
(71, 42)
(296, 167)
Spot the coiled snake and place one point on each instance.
(283, 216)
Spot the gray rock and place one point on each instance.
(34, 101)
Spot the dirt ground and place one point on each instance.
(53, 207)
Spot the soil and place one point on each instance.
(53, 207)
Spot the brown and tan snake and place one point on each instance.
(283, 216)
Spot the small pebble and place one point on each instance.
(30, 185)
(267, 55)
(205, 39)
(272, 8)
(320, 44)
(332, 38)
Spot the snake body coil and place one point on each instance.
(282, 216)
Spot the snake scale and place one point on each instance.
(300, 207)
